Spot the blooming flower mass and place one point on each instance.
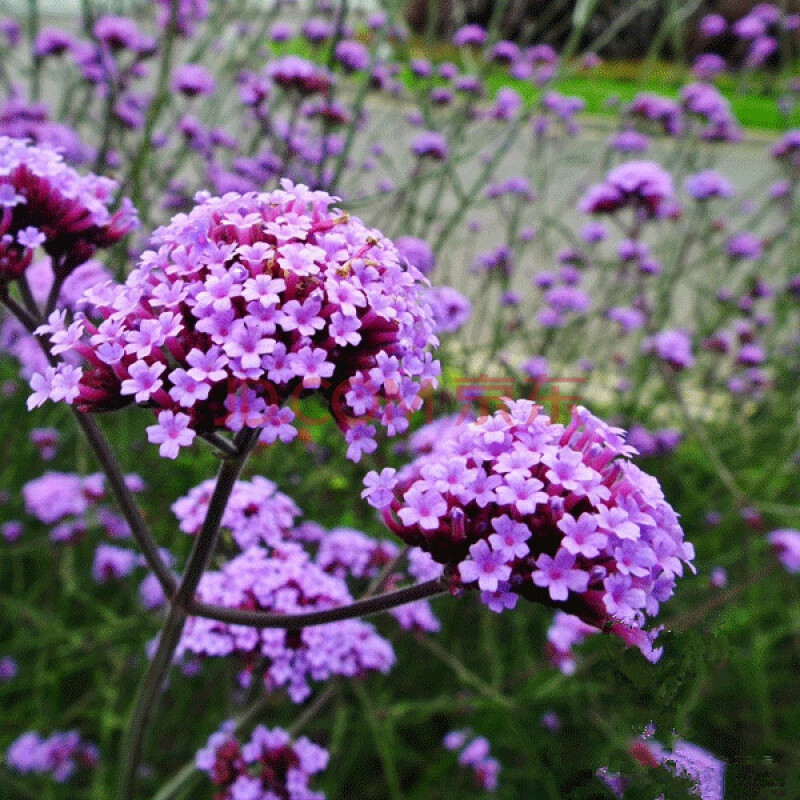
(245, 303)
(518, 505)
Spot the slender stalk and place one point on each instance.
(18, 311)
(149, 690)
(359, 608)
(694, 616)
(52, 297)
(28, 299)
(721, 468)
(108, 123)
(341, 19)
(223, 446)
(458, 213)
(36, 62)
(358, 104)
(146, 697)
(130, 510)
(109, 465)
(134, 178)
(206, 540)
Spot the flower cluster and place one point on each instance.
(522, 506)
(8, 669)
(701, 110)
(686, 760)
(642, 185)
(673, 346)
(16, 340)
(46, 442)
(248, 302)
(449, 307)
(269, 766)
(474, 753)
(32, 122)
(706, 106)
(653, 443)
(64, 499)
(46, 203)
(59, 755)
(417, 252)
(299, 75)
(56, 495)
(786, 543)
(285, 581)
(258, 515)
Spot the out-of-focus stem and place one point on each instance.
(134, 178)
(130, 510)
(36, 62)
(721, 469)
(455, 218)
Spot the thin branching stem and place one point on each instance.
(359, 608)
(152, 684)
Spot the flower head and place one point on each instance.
(555, 514)
(250, 301)
(45, 203)
(786, 543)
(286, 581)
(269, 765)
(643, 185)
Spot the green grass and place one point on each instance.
(753, 101)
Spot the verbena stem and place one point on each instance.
(153, 681)
(109, 465)
(359, 608)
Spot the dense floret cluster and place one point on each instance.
(46, 203)
(246, 303)
(58, 755)
(687, 760)
(258, 515)
(65, 500)
(269, 766)
(522, 506)
(285, 581)
(474, 754)
(642, 185)
(786, 543)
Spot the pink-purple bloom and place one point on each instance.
(60, 755)
(603, 543)
(642, 185)
(786, 543)
(268, 766)
(247, 302)
(45, 203)
(286, 581)
(474, 754)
